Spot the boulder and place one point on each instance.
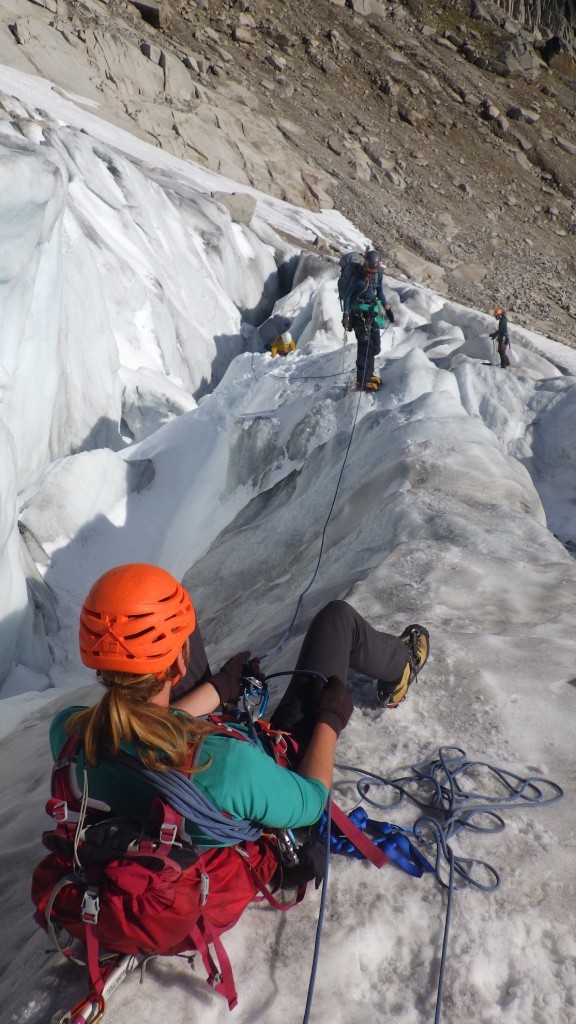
(177, 82)
(276, 60)
(242, 35)
(489, 111)
(511, 26)
(478, 11)
(151, 51)
(523, 160)
(367, 7)
(521, 114)
(240, 205)
(568, 147)
(152, 14)
(419, 270)
(519, 58)
(469, 273)
(395, 179)
(335, 145)
(48, 5)
(412, 115)
(360, 168)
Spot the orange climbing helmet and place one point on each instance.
(136, 619)
(498, 311)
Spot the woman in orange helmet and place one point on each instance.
(222, 792)
(138, 629)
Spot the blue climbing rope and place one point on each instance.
(320, 922)
(303, 593)
(251, 688)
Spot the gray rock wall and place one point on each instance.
(555, 16)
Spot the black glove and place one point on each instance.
(227, 681)
(311, 865)
(335, 705)
(252, 669)
(346, 321)
(389, 314)
(494, 335)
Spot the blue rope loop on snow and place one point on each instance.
(444, 790)
(390, 838)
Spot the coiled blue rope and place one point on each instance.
(186, 798)
(439, 787)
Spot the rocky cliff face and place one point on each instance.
(445, 132)
(555, 16)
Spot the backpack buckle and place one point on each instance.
(90, 906)
(281, 744)
(57, 809)
(168, 834)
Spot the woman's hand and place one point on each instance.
(333, 714)
(227, 682)
(335, 707)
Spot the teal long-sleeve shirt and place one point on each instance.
(364, 289)
(501, 333)
(242, 780)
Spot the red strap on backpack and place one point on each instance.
(219, 975)
(265, 891)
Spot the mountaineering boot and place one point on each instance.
(370, 385)
(417, 640)
(374, 379)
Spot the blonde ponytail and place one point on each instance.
(124, 715)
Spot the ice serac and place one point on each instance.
(22, 634)
(103, 275)
(122, 291)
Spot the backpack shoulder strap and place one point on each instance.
(65, 792)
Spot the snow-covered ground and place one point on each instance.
(136, 426)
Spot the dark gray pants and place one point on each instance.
(368, 338)
(338, 638)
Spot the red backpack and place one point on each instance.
(125, 892)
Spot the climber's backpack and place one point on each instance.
(125, 890)
(349, 264)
